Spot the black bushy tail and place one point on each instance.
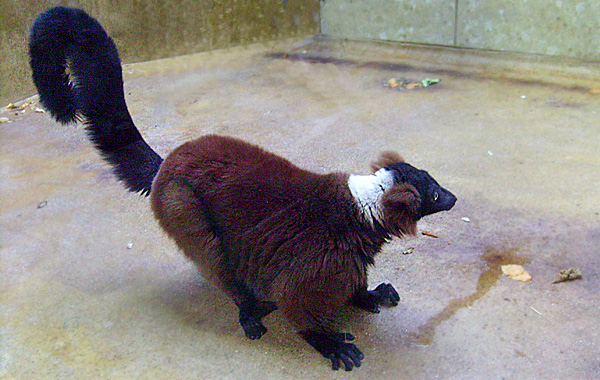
(77, 71)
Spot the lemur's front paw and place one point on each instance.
(370, 300)
(386, 294)
(347, 353)
(333, 347)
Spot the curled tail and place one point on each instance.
(77, 71)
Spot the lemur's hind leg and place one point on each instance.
(192, 224)
(370, 300)
(251, 310)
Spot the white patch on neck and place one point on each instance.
(367, 191)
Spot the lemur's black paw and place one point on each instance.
(253, 329)
(251, 314)
(372, 306)
(333, 347)
(347, 353)
(370, 300)
(386, 294)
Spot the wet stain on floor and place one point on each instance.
(494, 258)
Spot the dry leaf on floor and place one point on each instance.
(408, 84)
(392, 83)
(516, 272)
(412, 86)
(568, 275)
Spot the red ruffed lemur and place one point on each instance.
(272, 236)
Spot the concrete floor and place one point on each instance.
(92, 289)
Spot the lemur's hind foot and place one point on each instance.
(251, 315)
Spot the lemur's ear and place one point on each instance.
(386, 158)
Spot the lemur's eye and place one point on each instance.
(435, 196)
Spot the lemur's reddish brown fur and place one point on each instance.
(253, 221)
(271, 235)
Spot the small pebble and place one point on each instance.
(465, 219)
(130, 245)
(408, 251)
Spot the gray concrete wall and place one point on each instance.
(568, 28)
(151, 29)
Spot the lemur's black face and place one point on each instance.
(434, 198)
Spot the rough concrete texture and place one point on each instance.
(91, 288)
(427, 22)
(568, 28)
(153, 29)
(559, 28)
